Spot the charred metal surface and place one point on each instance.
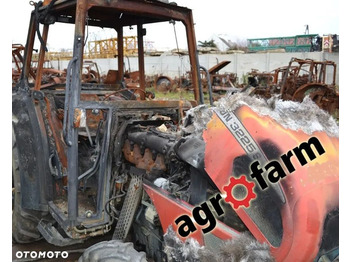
(46, 76)
(74, 88)
(55, 125)
(57, 156)
(194, 60)
(103, 14)
(139, 105)
(31, 139)
(140, 33)
(121, 52)
(72, 137)
(147, 161)
(28, 50)
(18, 60)
(209, 82)
(39, 71)
(157, 142)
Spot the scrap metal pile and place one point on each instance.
(17, 61)
(301, 78)
(220, 83)
(49, 75)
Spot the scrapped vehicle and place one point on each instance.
(266, 84)
(301, 78)
(311, 79)
(17, 63)
(49, 75)
(93, 158)
(91, 73)
(211, 80)
(17, 60)
(221, 82)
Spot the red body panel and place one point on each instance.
(169, 209)
(310, 192)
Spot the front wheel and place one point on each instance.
(113, 250)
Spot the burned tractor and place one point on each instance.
(211, 81)
(310, 79)
(91, 73)
(301, 78)
(93, 158)
(17, 63)
(49, 75)
(266, 84)
(17, 60)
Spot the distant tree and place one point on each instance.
(210, 43)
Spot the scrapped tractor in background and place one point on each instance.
(90, 158)
(49, 75)
(17, 63)
(211, 81)
(301, 78)
(17, 60)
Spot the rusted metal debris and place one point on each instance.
(223, 79)
(91, 73)
(50, 75)
(146, 160)
(166, 83)
(266, 83)
(17, 63)
(302, 77)
(219, 82)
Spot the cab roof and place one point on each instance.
(110, 13)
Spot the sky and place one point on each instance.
(232, 20)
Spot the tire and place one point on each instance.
(24, 223)
(163, 84)
(112, 251)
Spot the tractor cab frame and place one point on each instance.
(81, 104)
